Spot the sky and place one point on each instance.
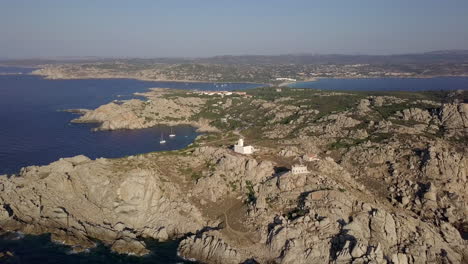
(200, 28)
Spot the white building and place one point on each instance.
(299, 169)
(286, 79)
(240, 148)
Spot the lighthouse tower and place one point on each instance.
(240, 148)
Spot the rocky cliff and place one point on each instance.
(324, 216)
(78, 200)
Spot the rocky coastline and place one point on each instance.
(387, 184)
(138, 114)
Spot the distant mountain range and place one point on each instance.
(441, 56)
(447, 56)
(442, 52)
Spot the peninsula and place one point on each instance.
(334, 177)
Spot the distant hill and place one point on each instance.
(441, 56)
(448, 52)
(449, 56)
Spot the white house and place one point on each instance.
(240, 148)
(299, 169)
(285, 79)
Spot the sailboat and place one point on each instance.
(162, 141)
(172, 133)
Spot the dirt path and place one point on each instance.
(233, 219)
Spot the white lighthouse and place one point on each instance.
(240, 148)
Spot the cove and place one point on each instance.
(39, 249)
(35, 131)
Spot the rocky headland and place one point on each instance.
(387, 183)
(160, 108)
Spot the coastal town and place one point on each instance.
(285, 69)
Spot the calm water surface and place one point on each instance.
(18, 70)
(39, 250)
(34, 130)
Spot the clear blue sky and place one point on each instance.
(152, 28)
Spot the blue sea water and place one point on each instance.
(387, 84)
(39, 250)
(15, 70)
(34, 130)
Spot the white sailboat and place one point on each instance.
(172, 133)
(162, 141)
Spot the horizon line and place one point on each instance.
(91, 57)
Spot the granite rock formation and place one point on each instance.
(388, 184)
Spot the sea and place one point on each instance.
(34, 130)
(28, 249)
